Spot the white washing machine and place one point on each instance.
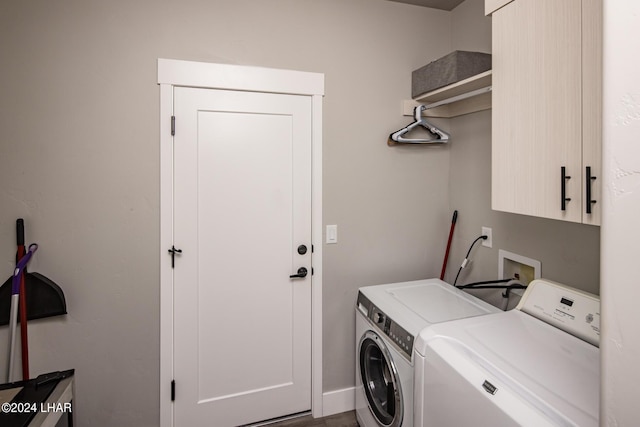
(537, 365)
(388, 319)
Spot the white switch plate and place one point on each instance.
(488, 242)
(332, 234)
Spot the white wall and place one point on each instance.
(80, 163)
(620, 345)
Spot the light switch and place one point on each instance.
(332, 234)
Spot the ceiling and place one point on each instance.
(436, 4)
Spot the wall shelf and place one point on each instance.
(455, 108)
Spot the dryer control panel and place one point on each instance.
(395, 333)
(571, 310)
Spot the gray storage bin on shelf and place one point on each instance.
(452, 68)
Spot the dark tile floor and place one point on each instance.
(346, 419)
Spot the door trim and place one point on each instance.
(173, 73)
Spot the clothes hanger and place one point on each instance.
(440, 136)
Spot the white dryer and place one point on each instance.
(388, 319)
(536, 365)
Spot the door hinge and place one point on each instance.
(173, 390)
(173, 125)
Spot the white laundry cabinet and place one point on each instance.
(547, 103)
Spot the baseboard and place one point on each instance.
(337, 401)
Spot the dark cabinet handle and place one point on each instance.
(588, 185)
(563, 188)
(302, 272)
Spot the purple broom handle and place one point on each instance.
(15, 283)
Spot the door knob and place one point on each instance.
(302, 272)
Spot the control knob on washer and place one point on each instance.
(378, 317)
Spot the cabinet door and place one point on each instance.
(537, 108)
(592, 109)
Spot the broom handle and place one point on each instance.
(24, 338)
(13, 319)
(15, 301)
(446, 254)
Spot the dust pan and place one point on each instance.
(45, 298)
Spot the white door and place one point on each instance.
(242, 212)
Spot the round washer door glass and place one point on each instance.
(380, 380)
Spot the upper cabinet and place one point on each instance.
(546, 118)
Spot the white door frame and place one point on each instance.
(173, 73)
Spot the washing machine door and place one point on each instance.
(380, 380)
